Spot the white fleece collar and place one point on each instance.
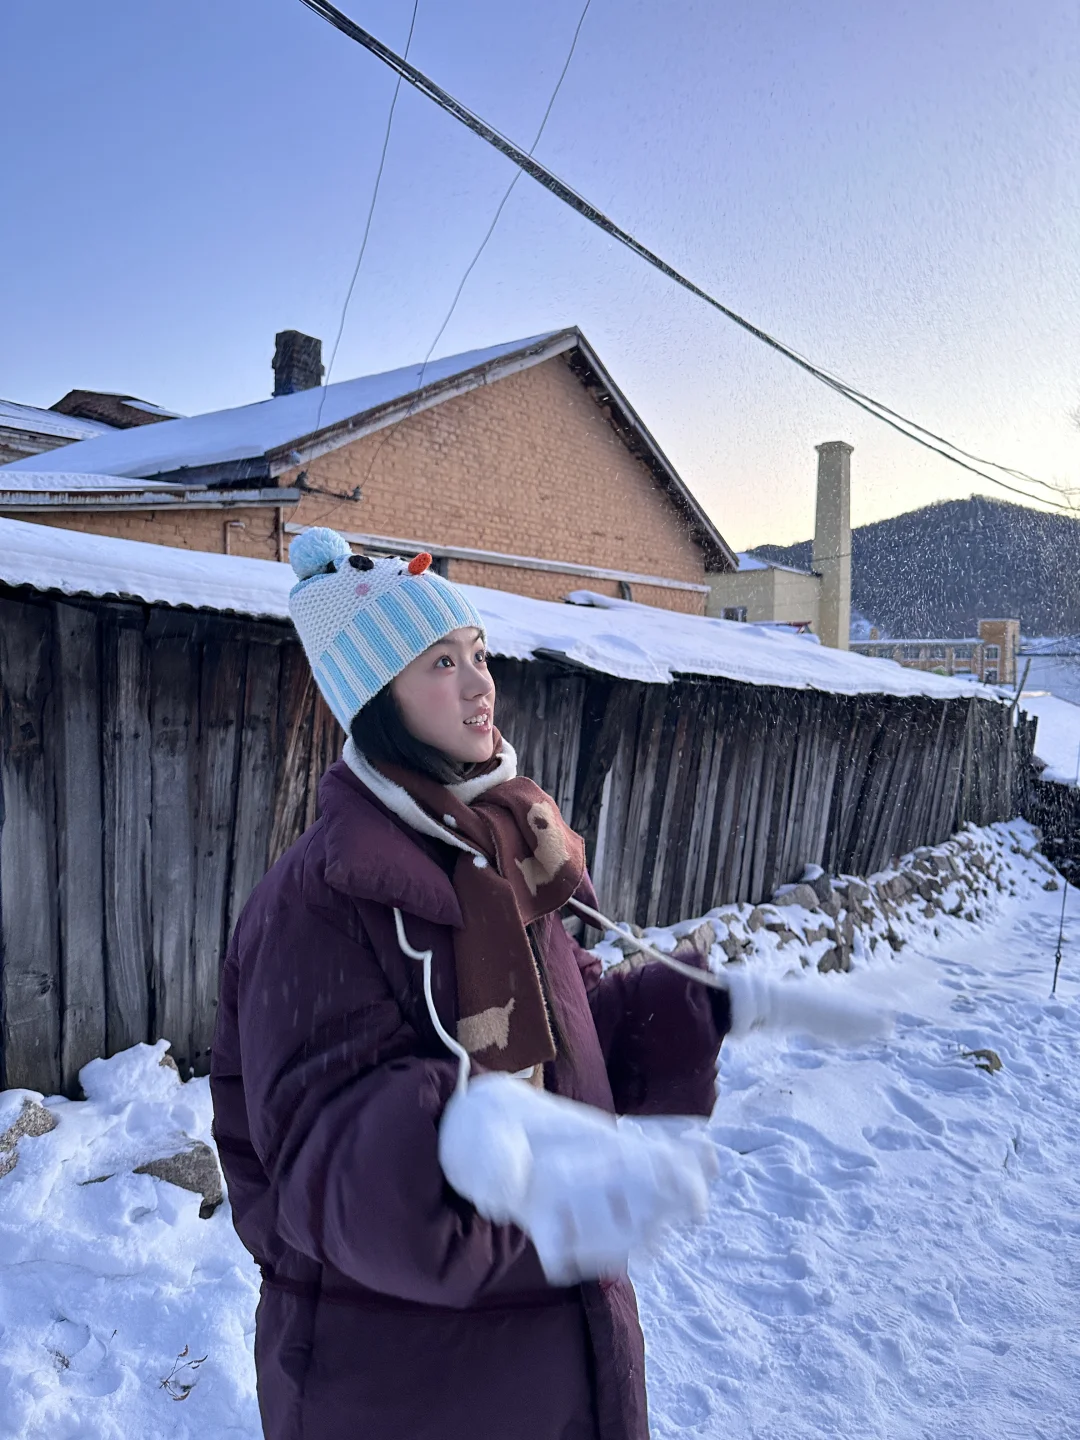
(401, 803)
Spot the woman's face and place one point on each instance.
(447, 698)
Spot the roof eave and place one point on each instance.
(29, 502)
(719, 556)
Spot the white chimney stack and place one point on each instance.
(832, 542)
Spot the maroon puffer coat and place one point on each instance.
(389, 1309)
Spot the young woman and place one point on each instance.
(398, 1303)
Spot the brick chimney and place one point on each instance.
(297, 362)
(832, 542)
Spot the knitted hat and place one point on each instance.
(362, 620)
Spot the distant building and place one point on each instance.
(763, 592)
(27, 430)
(990, 656)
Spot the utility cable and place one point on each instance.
(540, 173)
(388, 434)
(367, 224)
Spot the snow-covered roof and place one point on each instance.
(1057, 739)
(34, 421)
(250, 431)
(749, 562)
(66, 481)
(133, 404)
(634, 642)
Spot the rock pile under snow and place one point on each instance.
(826, 921)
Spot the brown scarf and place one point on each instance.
(530, 862)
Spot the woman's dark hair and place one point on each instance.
(379, 733)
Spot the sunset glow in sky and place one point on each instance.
(893, 191)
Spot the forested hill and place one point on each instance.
(939, 570)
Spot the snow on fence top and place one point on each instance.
(633, 642)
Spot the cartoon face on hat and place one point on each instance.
(363, 619)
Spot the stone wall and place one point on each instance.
(827, 921)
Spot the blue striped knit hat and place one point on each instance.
(362, 620)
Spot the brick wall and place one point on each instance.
(187, 530)
(527, 466)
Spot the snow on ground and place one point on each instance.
(1057, 739)
(892, 1250)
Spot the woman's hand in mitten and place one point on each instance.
(813, 1006)
(586, 1192)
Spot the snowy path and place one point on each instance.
(893, 1248)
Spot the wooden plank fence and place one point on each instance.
(154, 761)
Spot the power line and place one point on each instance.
(510, 189)
(367, 223)
(527, 163)
(388, 434)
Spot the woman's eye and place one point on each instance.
(444, 660)
(481, 657)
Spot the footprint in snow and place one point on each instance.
(891, 1137)
(914, 1111)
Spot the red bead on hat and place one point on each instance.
(419, 563)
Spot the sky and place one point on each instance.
(891, 190)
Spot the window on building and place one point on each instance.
(961, 652)
(733, 612)
(937, 652)
(990, 676)
(910, 652)
(992, 652)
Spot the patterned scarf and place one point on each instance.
(529, 863)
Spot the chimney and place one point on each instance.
(297, 362)
(832, 541)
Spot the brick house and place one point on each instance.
(81, 415)
(27, 430)
(520, 467)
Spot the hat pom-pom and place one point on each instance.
(419, 563)
(315, 549)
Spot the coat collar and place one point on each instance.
(371, 854)
(400, 803)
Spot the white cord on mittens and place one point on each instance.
(757, 1001)
(464, 1063)
(704, 977)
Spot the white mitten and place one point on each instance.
(758, 1003)
(584, 1190)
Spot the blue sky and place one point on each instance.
(893, 190)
